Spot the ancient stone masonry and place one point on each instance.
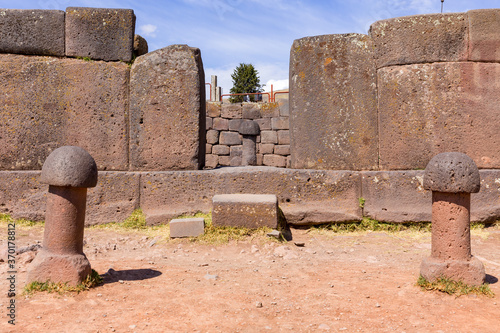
(229, 145)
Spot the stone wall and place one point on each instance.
(414, 87)
(224, 141)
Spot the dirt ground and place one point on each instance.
(346, 282)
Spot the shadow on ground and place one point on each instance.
(112, 276)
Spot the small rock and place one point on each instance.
(121, 281)
(203, 265)
(275, 233)
(132, 327)
(99, 295)
(300, 244)
(311, 251)
(290, 256)
(210, 277)
(377, 305)
(254, 249)
(324, 327)
(258, 304)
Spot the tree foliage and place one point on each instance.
(245, 80)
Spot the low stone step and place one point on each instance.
(245, 210)
(189, 227)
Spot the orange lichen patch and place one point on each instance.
(328, 60)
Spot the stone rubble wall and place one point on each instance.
(224, 143)
(413, 87)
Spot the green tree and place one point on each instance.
(245, 80)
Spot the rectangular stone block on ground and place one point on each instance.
(420, 39)
(32, 31)
(396, 196)
(114, 199)
(189, 227)
(167, 110)
(52, 102)
(484, 35)
(427, 109)
(333, 103)
(305, 196)
(100, 33)
(245, 210)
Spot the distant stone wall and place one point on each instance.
(414, 87)
(224, 142)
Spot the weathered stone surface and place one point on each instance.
(282, 150)
(213, 109)
(281, 123)
(229, 138)
(484, 35)
(100, 33)
(53, 102)
(58, 268)
(249, 127)
(221, 124)
(236, 151)
(333, 104)
(32, 31)
(231, 111)
(420, 39)
(208, 149)
(140, 46)
(485, 205)
(266, 148)
(167, 110)
(225, 160)
(470, 272)
(69, 166)
(234, 124)
(284, 137)
(22, 195)
(209, 123)
(428, 109)
(269, 110)
(245, 210)
(264, 123)
(452, 172)
(284, 107)
(211, 161)
(396, 196)
(274, 160)
(212, 137)
(220, 150)
(114, 199)
(305, 196)
(191, 227)
(269, 137)
(250, 111)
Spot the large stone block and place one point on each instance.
(426, 109)
(333, 104)
(305, 196)
(420, 39)
(100, 33)
(245, 210)
(190, 227)
(399, 196)
(114, 198)
(53, 102)
(484, 35)
(167, 110)
(22, 195)
(396, 196)
(32, 31)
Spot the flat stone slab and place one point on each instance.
(32, 31)
(100, 33)
(333, 103)
(245, 210)
(420, 39)
(191, 227)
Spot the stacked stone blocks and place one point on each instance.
(225, 142)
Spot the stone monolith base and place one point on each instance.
(70, 268)
(470, 271)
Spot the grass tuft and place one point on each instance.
(457, 288)
(6, 219)
(367, 225)
(91, 281)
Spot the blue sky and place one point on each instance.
(259, 32)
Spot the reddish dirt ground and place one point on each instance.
(348, 282)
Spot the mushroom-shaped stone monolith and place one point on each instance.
(68, 171)
(249, 129)
(452, 177)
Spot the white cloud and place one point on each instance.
(148, 30)
(277, 85)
